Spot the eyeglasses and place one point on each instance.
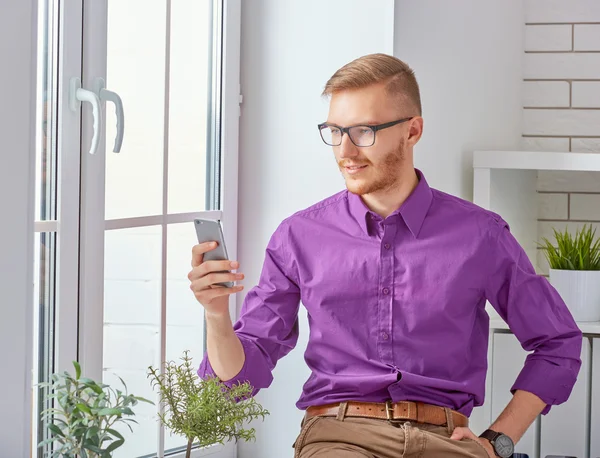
(361, 135)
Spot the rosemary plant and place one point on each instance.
(205, 411)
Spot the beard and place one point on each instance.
(382, 176)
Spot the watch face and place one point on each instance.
(504, 446)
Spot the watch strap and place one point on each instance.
(490, 435)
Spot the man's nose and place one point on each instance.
(347, 148)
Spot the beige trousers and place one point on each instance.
(373, 438)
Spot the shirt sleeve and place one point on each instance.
(537, 316)
(268, 323)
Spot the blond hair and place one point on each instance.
(378, 68)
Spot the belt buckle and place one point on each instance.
(389, 412)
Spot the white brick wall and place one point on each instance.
(548, 38)
(587, 37)
(553, 206)
(567, 123)
(547, 144)
(549, 181)
(561, 11)
(546, 94)
(562, 66)
(585, 207)
(585, 145)
(586, 94)
(561, 100)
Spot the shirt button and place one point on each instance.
(386, 291)
(384, 336)
(387, 246)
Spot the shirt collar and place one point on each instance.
(413, 210)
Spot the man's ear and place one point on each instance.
(415, 130)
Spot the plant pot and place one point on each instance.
(580, 289)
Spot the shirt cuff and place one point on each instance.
(551, 383)
(250, 372)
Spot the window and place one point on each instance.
(115, 230)
(55, 249)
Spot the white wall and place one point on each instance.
(17, 116)
(467, 56)
(289, 50)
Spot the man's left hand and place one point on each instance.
(466, 433)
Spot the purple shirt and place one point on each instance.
(396, 306)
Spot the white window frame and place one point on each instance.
(18, 235)
(18, 33)
(65, 226)
(69, 161)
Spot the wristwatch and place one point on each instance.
(503, 445)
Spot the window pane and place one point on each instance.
(185, 325)
(44, 250)
(131, 326)
(136, 71)
(45, 163)
(189, 104)
(44, 311)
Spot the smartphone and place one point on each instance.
(209, 230)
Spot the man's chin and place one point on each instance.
(357, 187)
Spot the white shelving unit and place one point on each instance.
(506, 182)
(536, 160)
(591, 328)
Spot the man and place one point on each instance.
(394, 276)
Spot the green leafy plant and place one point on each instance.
(581, 252)
(85, 412)
(204, 410)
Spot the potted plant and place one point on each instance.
(84, 416)
(204, 410)
(575, 271)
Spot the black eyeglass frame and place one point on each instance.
(346, 130)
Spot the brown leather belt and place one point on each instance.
(393, 412)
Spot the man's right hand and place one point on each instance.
(204, 276)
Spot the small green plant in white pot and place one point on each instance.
(85, 413)
(205, 411)
(575, 271)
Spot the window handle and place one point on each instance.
(110, 96)
(77, 95)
